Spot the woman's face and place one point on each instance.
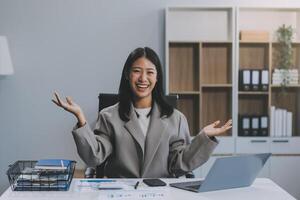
(142, 78)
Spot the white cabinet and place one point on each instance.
(285, 145)
(284, 171)
(225, 146)
(252, 145)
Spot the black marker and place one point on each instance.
(136, 185)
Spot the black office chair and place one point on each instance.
(106, 100)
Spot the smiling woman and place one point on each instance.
(142, 135)
(142, 79)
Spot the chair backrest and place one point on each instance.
(106, 100)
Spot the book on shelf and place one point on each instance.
(245, 80)
(263, 131)
(264, 75)
(244, 125)
(255, 126)
(272, 121)
(53, 164)
(255, 80)
(281, 122)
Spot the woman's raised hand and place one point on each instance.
(211, 129)
(71, 107)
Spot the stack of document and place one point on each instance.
(288, 76)
(281, 122)
(31, 178)
(53, 164)
(48, 173)
(120, 189)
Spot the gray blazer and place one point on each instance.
(165, 152)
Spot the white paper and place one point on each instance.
(157, 194)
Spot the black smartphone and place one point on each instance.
(153, 182)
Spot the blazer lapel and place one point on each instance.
(134, 129)
(155, 132)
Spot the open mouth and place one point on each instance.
(142, 87)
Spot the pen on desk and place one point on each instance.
(136, 185)
(110, 188)
(96, 180)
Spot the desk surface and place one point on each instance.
(262, 188)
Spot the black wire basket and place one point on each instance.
(23, 176)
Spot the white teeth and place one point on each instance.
(142, 86)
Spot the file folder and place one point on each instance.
(244, 126)
(245, 80)
(255, 83)
(254, 126)
(264, 80)
(264, 126)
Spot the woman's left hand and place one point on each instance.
(211, 129)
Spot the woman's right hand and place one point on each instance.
(71, 107)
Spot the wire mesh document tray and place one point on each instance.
(23, 176)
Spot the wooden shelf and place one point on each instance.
(216, 85)
(216, 105)
(216, 42)
(189, 106)
(253, 104)
(253, 93)
(198, 41)
(265, 42)
(185, 92)
(254, 42)
(294, 42)
(216, 63)
(287, 86)
(214, 93)
(184, 67)
(254, 56)
(184, 42)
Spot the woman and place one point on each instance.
(142, 135)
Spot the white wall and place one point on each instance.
(77, 47)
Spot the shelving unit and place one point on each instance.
(264, 55)
(203, 59)
(204, 83)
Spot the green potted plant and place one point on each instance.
(285, 52)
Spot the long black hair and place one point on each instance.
(126, 95)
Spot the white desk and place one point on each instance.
(262, 188)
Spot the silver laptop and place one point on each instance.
(228, 172)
